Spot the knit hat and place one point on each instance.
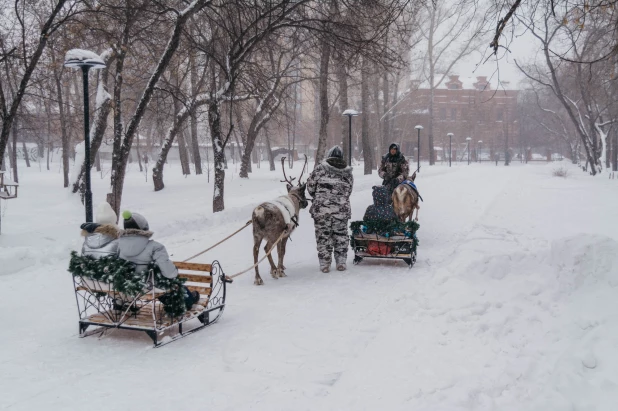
(134, 220)
(335, 152)
(105, 214)
(394, 146)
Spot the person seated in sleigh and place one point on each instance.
(380, 213)
(135, 245)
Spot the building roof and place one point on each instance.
(466, 83)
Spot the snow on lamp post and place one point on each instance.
(85, 60)
(450, 148)
(418, 148)
(350, 113)
(480, 151)
(468, 140)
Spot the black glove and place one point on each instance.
(89, 227)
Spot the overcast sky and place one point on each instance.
(523, 48)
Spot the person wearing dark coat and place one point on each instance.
(381, 210)
(394, 168)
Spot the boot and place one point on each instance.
(341, 267)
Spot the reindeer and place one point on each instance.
(276, 218)
(405, 201)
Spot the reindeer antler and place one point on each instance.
(290, 181)
(303, 172)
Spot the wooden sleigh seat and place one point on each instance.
(98, 304)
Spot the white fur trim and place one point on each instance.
(285, 205)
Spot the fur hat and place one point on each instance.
(105, 214)
(134, 220)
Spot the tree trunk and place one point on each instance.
(386, 136)
(271, 158)
(323, 101)
(184, 158)
(379, 127)
(214, 121)
(344, 104)
(615, 149)
(393, 112)
(139, 158)
(157, 171)
(367, 146)
(14, 151)
(63, 120)
(26, 153)
(121, 156)
(432, 88)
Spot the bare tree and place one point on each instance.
(450, 32)
(576, 86)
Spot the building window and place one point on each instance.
(500, 115)
(442, 113)
(464, 114)
(453, 86)
(453, 114)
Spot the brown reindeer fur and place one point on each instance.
(405, 201)
(269, 223)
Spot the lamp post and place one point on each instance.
(468, 140)
(350, 113)
(480, 151)
(85, 60)
(418, 148)
(450, 148)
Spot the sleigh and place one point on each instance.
(390, 247)
(102, 306)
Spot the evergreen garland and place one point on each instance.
(123, 279)
(381, 227)
(387, 229)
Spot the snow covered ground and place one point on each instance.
(513, 304)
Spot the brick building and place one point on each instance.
(466, 107)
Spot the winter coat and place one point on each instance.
(330, 184)
(137, 247)
(381, 210)
(100, 240)
(393, 168)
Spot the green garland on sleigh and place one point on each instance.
(386, 228)
(123, 279)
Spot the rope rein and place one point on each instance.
(229, 277)
(225, 239)
(267, 254)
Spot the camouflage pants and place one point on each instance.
(331, 234)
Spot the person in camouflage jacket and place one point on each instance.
(394, 168)
(330, 184)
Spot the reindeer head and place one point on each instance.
(413, 177)
(299, 190)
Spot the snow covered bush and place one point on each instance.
(560, 172)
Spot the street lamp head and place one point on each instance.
(480, 141)
(83, 58)
(350, 113)
(450, 134)
(468, 138)
(419, 127)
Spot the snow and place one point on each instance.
(83, 56)
(511, 306)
